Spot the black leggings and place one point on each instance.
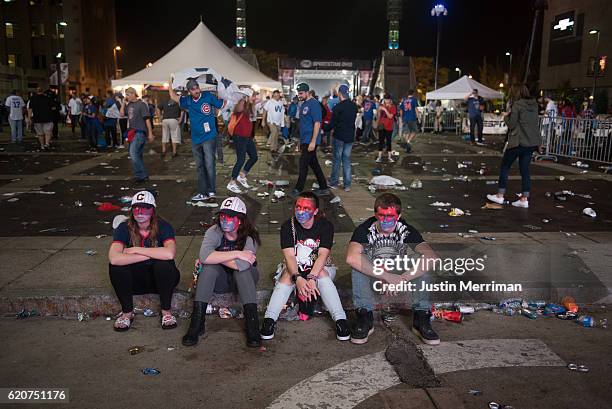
(384, 138)
(147, 277)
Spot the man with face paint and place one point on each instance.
(201, 107)
(228, 257)
(306, 240)
(385, 236)
(310, 138)
(141, 260)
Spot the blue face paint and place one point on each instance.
(303, 216)
(388, 225)
(227, 225)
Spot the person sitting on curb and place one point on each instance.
(306, 240)
(141, 260)
(385, 236)
(228, 255)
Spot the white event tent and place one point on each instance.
(462, 88)
(201, 48)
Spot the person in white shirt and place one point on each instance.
(15, 105)
(75, 106)
(274, 117)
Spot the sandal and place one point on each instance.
(123, 323)
(168, 321)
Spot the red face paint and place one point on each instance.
(304, 205)
(386, 215)
(227, 218)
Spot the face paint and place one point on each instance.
(304, 210)
(228, 223)
(142, 214)
(387, 218)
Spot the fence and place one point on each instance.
(450, 121)
(575, 138)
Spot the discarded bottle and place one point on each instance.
(148, 313)
(511, 302)
(537, 304)
(553, 309)
(532, 315)
(211, 309)
(465, 309)
(570, 304)
(586, 321)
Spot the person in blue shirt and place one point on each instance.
(201, 108)
(475, 106)
(369, 108)
(409, 118)
(333, 100)
(90, 112)
(310, 138)
(110, 119)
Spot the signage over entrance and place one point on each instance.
(325, 64)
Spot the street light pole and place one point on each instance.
(509, 54)
(117, 48)
(438, 11)
(596, 62)
(58, 69)
(457, 69)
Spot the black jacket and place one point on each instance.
(343, 121)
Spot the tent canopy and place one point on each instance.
(201, 48)
(462, 88)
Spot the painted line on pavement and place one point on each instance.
(345, 385)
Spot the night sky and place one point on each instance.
(330, 29)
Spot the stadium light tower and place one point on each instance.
(438, 11)
(241, 33)
(394, 15)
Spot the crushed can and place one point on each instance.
(586, 321)
(553, 309)
(511, 302)
(532, 315)
(536, 304)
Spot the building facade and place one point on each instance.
(38, 33)
(576, 44)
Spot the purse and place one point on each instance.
(233, 122)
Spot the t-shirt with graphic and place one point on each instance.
(402, 241)
(137, 113)
(276, 112)
(307, 242)
(15, 104)
(408, 108)
(474, 103)
(310, 112)
(202, 116)
(91, 111)
(165, 232)
(368, 110)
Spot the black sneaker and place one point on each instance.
(421, 327)
(343, 333)
(363, 326)
(267, 328)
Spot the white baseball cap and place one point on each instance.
(233, 206)
(143, 197)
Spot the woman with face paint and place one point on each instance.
(228, 256)
(306, 240)
(141, 260)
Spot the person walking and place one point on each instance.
(239, 128)
(409, 124)
(75, 106)
(523, 139)
(15, 104)
(200, 106)
(342, 126)
(111, 114)
(475, 105)
(369, 111)
(386, 119)
(274, 118)
(439, 111)
(139, 131)
(40, 113)
(90, 112)
(310, 138)
(172, 116)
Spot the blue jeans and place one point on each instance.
(524, 156)
(204, 154)
(16, 129)
(367, 130)
(244, 146)
(363, 293)
(136, 151)
(342, 153)
(220, 137)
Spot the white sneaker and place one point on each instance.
(379, 159)
(198, 198)
(521, 203)
(496, 199)
(211, 195)
(391, 160)
(233, 187)
(243, 182)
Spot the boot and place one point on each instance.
(252, 325)
(196, 327)
(421, 327)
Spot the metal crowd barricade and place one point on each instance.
(576, 138)
(450, 121)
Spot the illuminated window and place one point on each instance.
(10, 30)
(11, 60)
(38, 30)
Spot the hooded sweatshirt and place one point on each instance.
(523, 124)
